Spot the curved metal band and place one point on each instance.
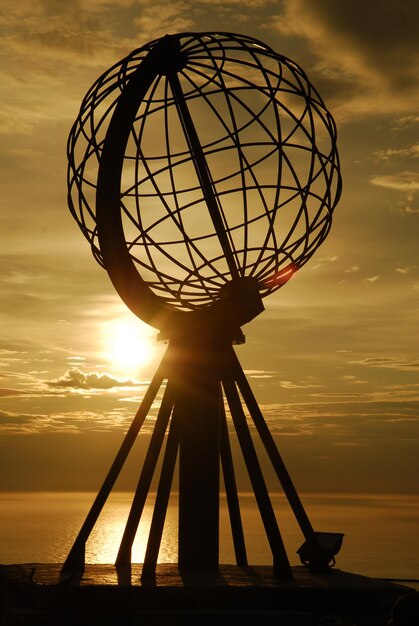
(121, 268)
(237, 305)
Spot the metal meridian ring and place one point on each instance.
(241, 301)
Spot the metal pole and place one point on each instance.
(271, 449)
(162, 500)
(76, 558)
(281, 565)
(231, 493)
(203, 172)
(144, 482)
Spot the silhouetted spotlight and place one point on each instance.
(319, 553)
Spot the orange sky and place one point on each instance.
(333, 360)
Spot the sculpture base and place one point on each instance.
(35, 594)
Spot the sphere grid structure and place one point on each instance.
(267, 150)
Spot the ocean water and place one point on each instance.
(381, 531)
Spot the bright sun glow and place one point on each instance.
(128, 346)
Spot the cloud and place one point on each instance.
(402, 181)
(390, 153)
(70, 32)
(322, 260)
(361, 420)
(404, 122)
(366, 58)
(288, 384)
(43, 46)
(283, 384)
(389, 362)
(406, 182)
(260, 373)
(373, 279)
(76, 379)
(349, 378)
(96, 33)
(22, 385)
(66, 422)
(7, 392)
(18, 423)
(370, 49)
(159, 18)
(9, 357)
(249, 4)
(405, 270)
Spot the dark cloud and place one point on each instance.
(72, 31)
(370, 49)
(356, 421)
(7, 417)
(12, 423)
(76, 379)
(9, 393)
(385, 34)
(66, 422)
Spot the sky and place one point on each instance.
(333, 360)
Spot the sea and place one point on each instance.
(381, 530)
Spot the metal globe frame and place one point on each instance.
(203, 170)
(263, 214)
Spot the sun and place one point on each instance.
(128, 345)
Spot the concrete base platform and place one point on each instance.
(36, 595)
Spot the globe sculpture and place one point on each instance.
(203, 171)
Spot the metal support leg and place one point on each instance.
(143, 487)
(76, 559)
(162, 500)
(271, 448)
(231, 492)
(281, 565)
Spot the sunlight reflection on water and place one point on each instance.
(106, 536)
(380, 530)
